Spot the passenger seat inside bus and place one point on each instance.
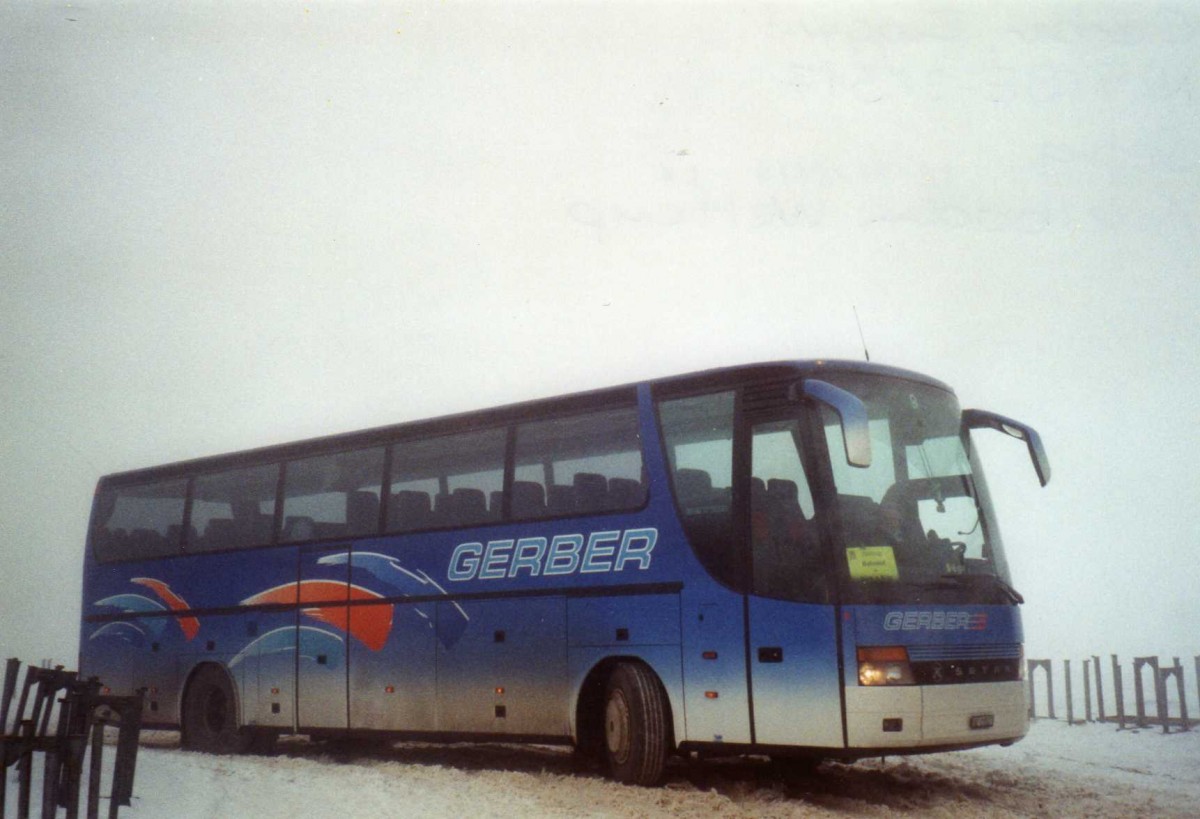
(410, 510)
(250, 524)
(362, 513)
(591, 492)
(695, 491)
(625, 493)
(785, 500)
(560, 500)
(470, 506)
(145, 542)
(298, 527)
(707, 515)
(787, 557)
(175, 532)
(462, 507)
(861, 519)
(218, 534)
(528, 499)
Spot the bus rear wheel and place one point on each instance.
(635, 725)
(210, 715)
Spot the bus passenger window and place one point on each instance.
(233, 509)
(699, 438)
(332, 496)
(581, 464)
(452, 480)
(132, 522)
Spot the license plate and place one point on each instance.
(981, 721)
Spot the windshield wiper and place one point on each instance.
(1009, 592)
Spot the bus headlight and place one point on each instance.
(884, 665)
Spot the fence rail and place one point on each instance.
(1153, 680)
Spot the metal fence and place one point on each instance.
(57, 724)
(1160, 692)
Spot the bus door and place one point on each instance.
(792, 628)
(266, 662)
(322, 637)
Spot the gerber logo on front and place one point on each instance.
(934, 621)
(611, 551)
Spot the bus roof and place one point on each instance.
(716, 377)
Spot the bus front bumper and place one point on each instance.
(935, 715)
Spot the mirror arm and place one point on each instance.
(856, 432)
(982, 419)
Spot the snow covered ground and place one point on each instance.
(1092, 770)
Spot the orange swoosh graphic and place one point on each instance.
(370, 625)
(190, 625)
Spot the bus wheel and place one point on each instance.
(635, 725)
(210, 715)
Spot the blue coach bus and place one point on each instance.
(793, 559)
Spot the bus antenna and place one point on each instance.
(861, 337)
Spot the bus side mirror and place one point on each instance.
(981, 419)
(853, 415)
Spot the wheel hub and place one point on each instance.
(616, 726)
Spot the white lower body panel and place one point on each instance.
(935, 715)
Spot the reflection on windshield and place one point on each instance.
(919, 515)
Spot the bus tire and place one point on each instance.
(209, 719)
(635, 725)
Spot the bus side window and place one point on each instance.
(783, 536)
(698, 432)
(332, 496)
(139, 522)
(447, 481)
(581, 464)
(233, 509)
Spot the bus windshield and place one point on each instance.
(916, 525)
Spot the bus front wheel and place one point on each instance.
(635, 725)
(210, 715)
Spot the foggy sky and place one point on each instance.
(224, 226)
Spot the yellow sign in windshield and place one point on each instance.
(872, 563)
